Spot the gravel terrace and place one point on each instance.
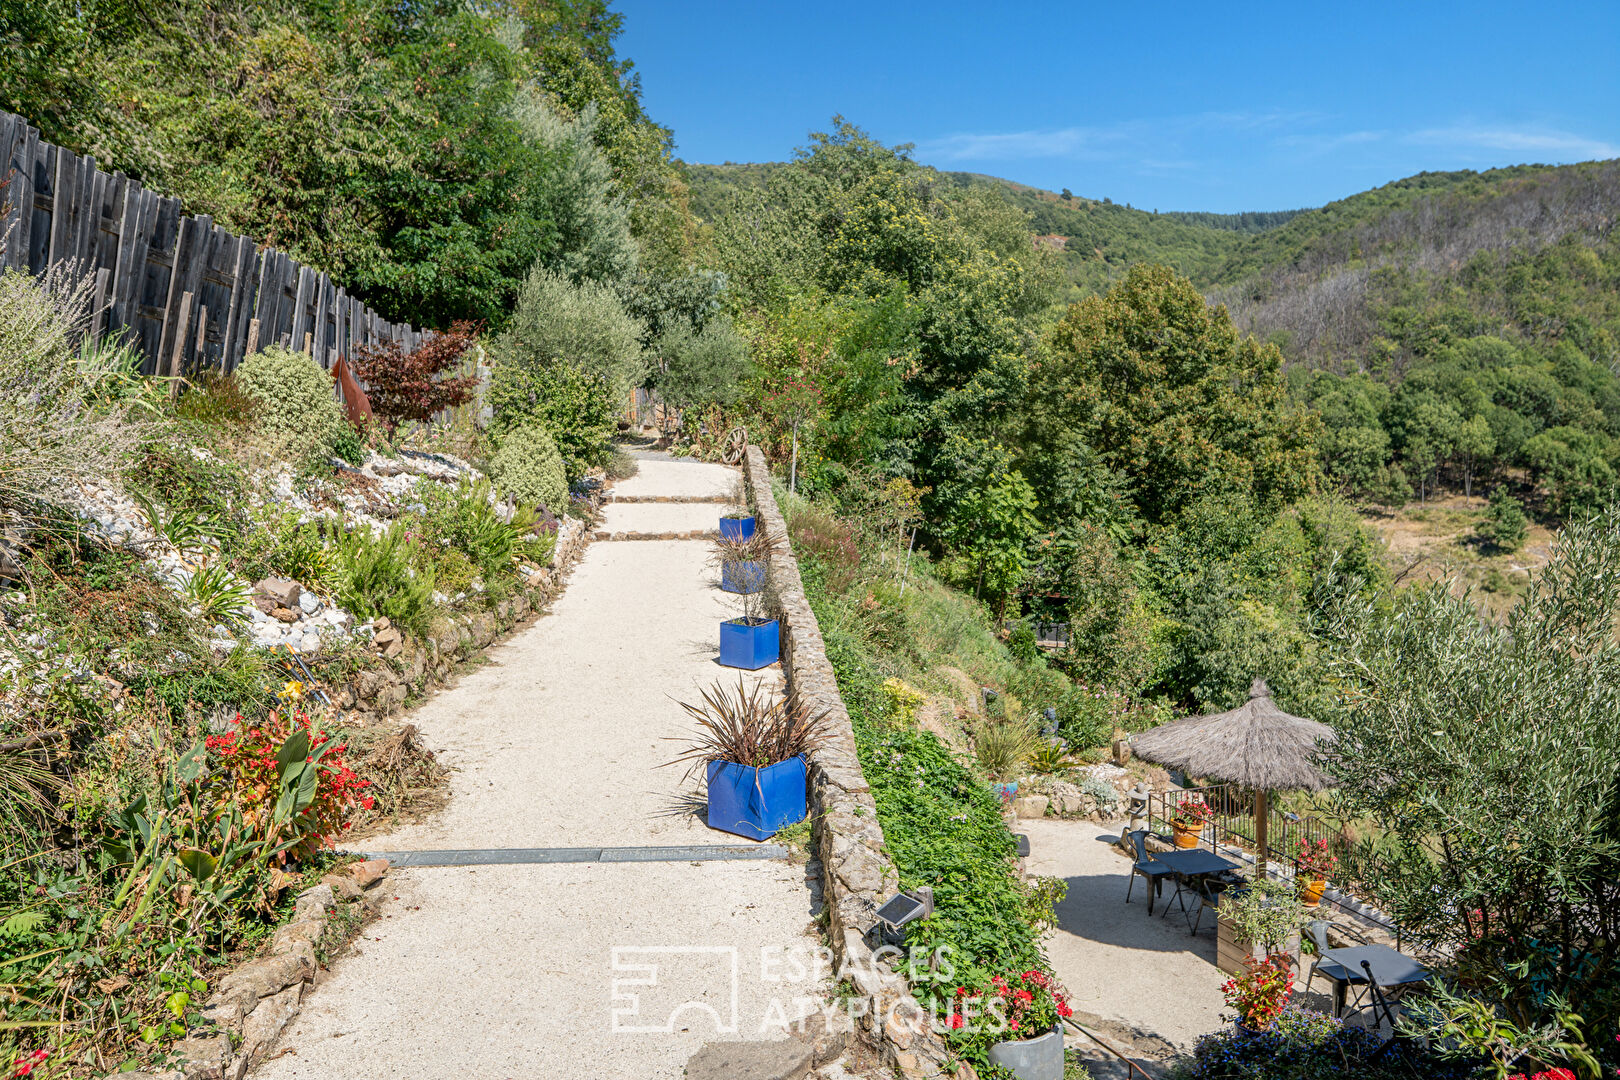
(508, 971)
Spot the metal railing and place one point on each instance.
(1233, 827)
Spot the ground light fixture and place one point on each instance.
(897, 911)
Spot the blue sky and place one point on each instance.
(1170, 106)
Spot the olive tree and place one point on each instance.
(1486, 759)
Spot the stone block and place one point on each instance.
(786, 1059)
(203, 1058)
(1031, 806)
(264, 1024)
(368, 873)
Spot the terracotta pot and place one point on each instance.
(1311, 892)
(1186, 837)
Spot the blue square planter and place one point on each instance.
(734, 528)
(750, 646)
(756, 802)
(747, 576)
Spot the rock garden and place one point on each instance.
(214, 591)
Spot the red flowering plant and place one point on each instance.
(1193, 813)
(25, 1065)
(1261, 992)
(1313, 860)
(1022, 1007)
(288, 780)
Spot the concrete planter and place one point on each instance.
(1040, 1058)
(1231, 952)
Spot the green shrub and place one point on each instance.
(349, 446)
(566, 359)
(284, 546)
(292, 397)
(557, 321)
(574, 405)
(1504, 526)
(377, 576)
(528, 468)
(461, 520)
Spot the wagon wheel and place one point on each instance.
(736, 445)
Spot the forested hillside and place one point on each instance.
(423, 154)
(1452, 329)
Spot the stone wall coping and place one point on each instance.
(858, 875)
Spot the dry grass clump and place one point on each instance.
(65, 418)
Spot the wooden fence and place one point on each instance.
(185, 292)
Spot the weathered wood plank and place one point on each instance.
(241, 299)
(64, 170)
(174, 292)
(303, 300)
(21, 194)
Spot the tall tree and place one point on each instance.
(1172, 398)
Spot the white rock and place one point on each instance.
(256, 616)
(309, 602)
(310, 643)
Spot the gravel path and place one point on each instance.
(508, 971)
(1148, 974)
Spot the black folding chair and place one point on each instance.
(1154, 872)
(1337, 975)
(1383, 1010)
(1209, 888)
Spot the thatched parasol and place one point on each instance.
(1256, 745)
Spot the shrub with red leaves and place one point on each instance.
(404, 386)
(248, 777)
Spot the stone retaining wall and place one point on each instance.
(253, 1004)
(857, 877)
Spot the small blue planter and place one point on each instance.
(736, 528)
(745, 576)
(756, 802)
(1004, 791)
(750, 645)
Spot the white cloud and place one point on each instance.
(1128, 138)
(1550, 142)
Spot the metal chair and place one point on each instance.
(1154, 872)
(1209, 892)
(1337, 974)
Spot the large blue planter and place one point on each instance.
(750, 645)
(756, 802)
(745, 576)
(735, 528)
